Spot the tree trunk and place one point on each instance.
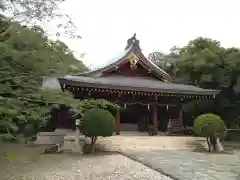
(213, 141)
(93, 142)
(209, 145)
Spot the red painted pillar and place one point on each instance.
(118, 122)
(155, 120)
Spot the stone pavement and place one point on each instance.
(186, 165)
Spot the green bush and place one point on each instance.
(207, 125)
(29, 130)
(8, 138)
(97, 122)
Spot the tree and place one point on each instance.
(205, 63)
(53, 56)
(201, 63)
(29, 12)
(98, 122)
(157, 57)
(164, 61)
(210, 126)
(26, 56)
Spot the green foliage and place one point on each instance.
(164, 61)
(26, 55)
(203, 62)
(30, 12)
(98, 122)
(209, 125)
(98, 103)
(8, 138)
(233, 135)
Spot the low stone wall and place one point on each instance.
(49, 138)
(233, 135)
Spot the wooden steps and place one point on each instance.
(177, 126)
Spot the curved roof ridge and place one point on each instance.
(109, 64)
(115, 58)
(158, 67)
(155, 67)
(132, 47)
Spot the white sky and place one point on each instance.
(105, 25)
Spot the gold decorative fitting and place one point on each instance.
(133, 63)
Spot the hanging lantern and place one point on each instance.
(125, 106)
(148, 107)
(167, 107)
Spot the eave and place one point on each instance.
(133, 84)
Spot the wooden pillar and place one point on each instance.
(181, 119)
(155, 120)
(118, 122)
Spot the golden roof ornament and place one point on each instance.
(133, 63)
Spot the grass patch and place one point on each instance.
(17, 152)
(16, 159)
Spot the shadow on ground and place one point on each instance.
(198, 146)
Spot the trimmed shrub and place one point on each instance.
(207, 125)
(210, 126)
(98, 122)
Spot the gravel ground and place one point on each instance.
(30, 165)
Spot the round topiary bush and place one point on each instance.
(98, 122)
(210, 126)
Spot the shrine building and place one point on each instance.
(148, 95)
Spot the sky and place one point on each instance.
(105, 25)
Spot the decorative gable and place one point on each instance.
(132, 63)
(131, 66)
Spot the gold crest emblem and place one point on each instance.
(133, 63)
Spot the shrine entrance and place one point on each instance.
(137, 117)
(132, 116)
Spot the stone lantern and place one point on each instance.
(77, 139)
